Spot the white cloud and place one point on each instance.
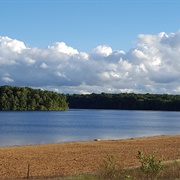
(14, 45)
(44, 66)
(102, 50)
(7, 79)
(152, 65)
(63, 48)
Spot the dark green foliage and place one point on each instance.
(25, 98)
(125, 101)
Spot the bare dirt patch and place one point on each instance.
(81, 157)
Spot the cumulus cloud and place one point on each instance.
(8, 44)
(151, 66)
(63, 48)
(102, 50)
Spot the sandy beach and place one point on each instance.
(63, 159)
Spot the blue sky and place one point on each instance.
(83, 46)
(86, 24)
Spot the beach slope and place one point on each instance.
(63, 159)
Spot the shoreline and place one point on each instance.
(72, 158)
(88, 141)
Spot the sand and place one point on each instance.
(63, 159)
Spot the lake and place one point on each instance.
(41, 127)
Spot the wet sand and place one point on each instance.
(63, 159)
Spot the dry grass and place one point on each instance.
(169, 171)
(75, 158)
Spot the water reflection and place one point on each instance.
(25, 128)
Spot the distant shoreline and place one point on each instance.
(125, 101)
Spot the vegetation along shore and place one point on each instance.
(26, 98)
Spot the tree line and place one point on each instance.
(25, 98)
(125, 101)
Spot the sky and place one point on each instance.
(83, 46)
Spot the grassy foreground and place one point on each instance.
(83, 158)
(109, 171)
(169, 171)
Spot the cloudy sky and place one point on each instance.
(82, 46)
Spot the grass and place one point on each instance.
(171, 171)
(150, 169)
(77, 177)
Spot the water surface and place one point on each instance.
(39, 127)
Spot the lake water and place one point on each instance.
(40, 127)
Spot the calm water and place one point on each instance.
(38, 127)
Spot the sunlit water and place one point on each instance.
(39, 127)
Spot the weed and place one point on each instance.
(149, 165)
(110, 169)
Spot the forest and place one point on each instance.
(25, 98)
(125, 101)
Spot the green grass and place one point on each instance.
(170, 171)
(150, 169)
(78, 177)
